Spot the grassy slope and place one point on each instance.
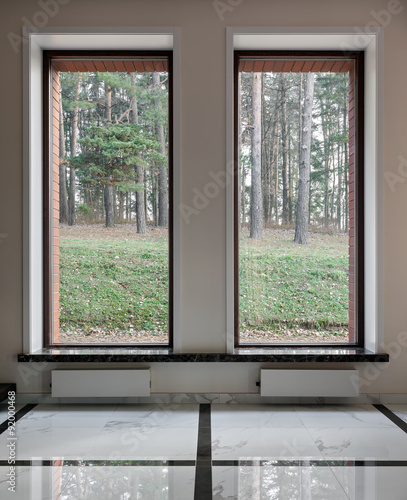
(114, 284)
(286, 286)
(119, 280)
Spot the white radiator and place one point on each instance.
(309, 383)
(100, 383)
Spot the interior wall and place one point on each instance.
(203, 246)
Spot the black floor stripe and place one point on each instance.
(391, 416)
(203, 471)
(20, 414)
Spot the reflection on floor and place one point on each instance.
(187, 451)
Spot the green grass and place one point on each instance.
(118, 283)
(286, 286)
(113, 284)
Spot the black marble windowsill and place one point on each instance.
(165, 355)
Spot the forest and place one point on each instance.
(293, 130)
(113, 193)
(293, 207)
(113, 148)
(293, 187)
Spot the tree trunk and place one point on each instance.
(71, 196)
(109, 191)
(299, 118)
(265, 164)
(121, 206)
(72, 176)
(290, 180)
(256, 208)
(108, 103)
(140, 205)
(140, 212)
(324, 119)
(140, 194)
(274, 161)
(243, 195)
(300, 93)
(100, 194)
(145, 194)
(63, 194)
(332, 156)
(109, 204)
(154, 199)
(285, 213)
(128, 215)
(162, 168)
(301, 224)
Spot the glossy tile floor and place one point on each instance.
(191, 451)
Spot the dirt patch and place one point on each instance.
(98, 336)
(122, 232)
(297, 336)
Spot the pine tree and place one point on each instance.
(301, 226)
(108, 156)
(256, 208)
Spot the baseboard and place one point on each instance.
(214, 399)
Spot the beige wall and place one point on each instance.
(203, 315)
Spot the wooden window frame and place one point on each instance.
(47, 223)
(359, 188)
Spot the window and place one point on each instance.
(299, 198)
(107, 188)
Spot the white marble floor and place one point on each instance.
(192, 451)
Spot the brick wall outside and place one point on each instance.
(56, 92)
(351, 184)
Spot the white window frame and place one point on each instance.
(35, 41)
(320, 38)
